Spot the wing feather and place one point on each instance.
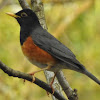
(54, 47)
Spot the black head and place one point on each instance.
(26, 17)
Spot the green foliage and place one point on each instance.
(82, 36)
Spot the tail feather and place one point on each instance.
(91, 76)
(76, 66)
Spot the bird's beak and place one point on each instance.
(13, 15)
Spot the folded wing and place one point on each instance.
(49, 43)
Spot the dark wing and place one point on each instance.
(54, 47)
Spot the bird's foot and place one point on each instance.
(33, 78)
(48, 94)
(52, 84)
(52, 91)
(52, 88)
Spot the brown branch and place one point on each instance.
(37, 7)
(71, 94)
(28, 77)
(24, 4)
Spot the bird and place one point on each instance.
(43, 49)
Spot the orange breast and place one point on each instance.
(34, 53)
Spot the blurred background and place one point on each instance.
(76, 23)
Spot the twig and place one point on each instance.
(28, 77)
(71, 94)
(24, 4)
(37, 7)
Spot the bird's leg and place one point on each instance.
(48, 67)
(52, 83)
(32, 74)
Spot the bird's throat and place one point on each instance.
(27, 31)
(24, 34)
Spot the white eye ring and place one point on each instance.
(23, 14)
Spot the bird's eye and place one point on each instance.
(23, 14)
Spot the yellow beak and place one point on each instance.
(13, 15)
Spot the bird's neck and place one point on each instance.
(26, 31)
